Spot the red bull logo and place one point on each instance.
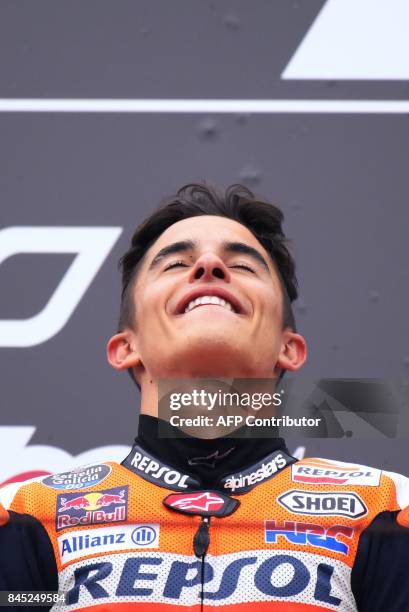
(107, 499)
(96, 507)
(77, 503)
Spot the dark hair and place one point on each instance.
(263, 219)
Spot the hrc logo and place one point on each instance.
(308, 533)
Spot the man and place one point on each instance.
(191, 523)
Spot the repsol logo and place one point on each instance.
(149, 468)
(233, 579)
(331, 503)
(317, 474)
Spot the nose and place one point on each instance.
(208, 267)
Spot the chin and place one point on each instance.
(210, 357)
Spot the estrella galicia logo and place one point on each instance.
(92, 508)
(80, 478)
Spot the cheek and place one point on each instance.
(271, 305)
(269, 320)
(151, 306)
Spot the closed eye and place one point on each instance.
(174, 264)
(243, 267)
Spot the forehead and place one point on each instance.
(208, 231)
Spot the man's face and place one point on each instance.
(178, 333)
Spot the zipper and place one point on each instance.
(201, 543)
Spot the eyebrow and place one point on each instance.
(188, 245)
(176, 247)
(245, 249)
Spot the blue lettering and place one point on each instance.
(177, 578)
(303, 537)
(328, 542)
(323, 587)
(66, 548)
(96, 541)
(291, 536)
(230, 578)
(298, 583)
(82, 578)
(131, 573)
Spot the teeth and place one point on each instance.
(208, 299)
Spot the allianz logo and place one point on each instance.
(77, 544)
(143, 535)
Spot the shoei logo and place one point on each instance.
(331, 503)
(92, 246)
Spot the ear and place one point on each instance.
(293, 353)
(121, 351)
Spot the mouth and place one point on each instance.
(206, 300)
(209, 297)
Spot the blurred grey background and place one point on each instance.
(341, 179)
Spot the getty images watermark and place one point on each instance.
(327, 408)
(211, 408)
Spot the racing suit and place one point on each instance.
(193, 525)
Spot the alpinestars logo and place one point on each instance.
(210, 460)
(246, 480)
(198, 501)
(202, 503)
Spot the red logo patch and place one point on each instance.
(204, 503)
(197, 501)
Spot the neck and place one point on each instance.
(205, 459)
(152, 393)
